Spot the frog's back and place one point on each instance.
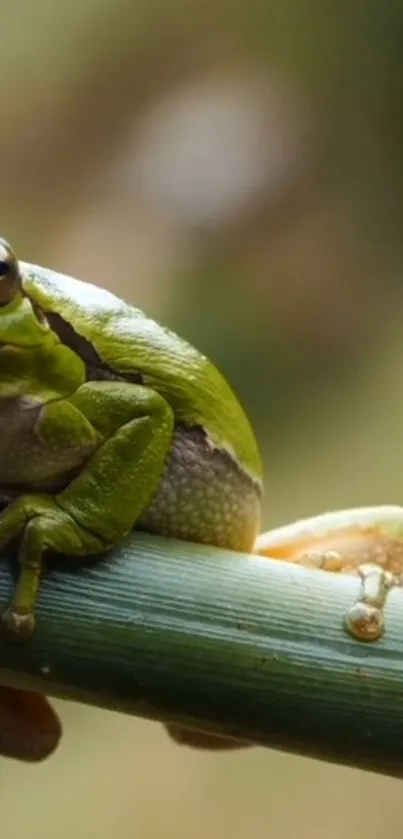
(129, 342)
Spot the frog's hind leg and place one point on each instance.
(102, 504)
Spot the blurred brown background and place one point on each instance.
(236, 169)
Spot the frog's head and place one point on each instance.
(21, 323)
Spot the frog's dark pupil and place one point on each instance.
(4, 267)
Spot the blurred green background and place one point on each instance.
(236, 169)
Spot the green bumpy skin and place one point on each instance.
(109, 422)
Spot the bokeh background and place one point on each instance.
(236, 169)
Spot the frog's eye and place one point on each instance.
(10, 279)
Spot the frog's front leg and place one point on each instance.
(135, 428)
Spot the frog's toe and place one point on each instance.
(17, 625)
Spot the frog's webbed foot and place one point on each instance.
(42, 526)
(365, 620)
(367, 542)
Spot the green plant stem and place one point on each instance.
(233, 644)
